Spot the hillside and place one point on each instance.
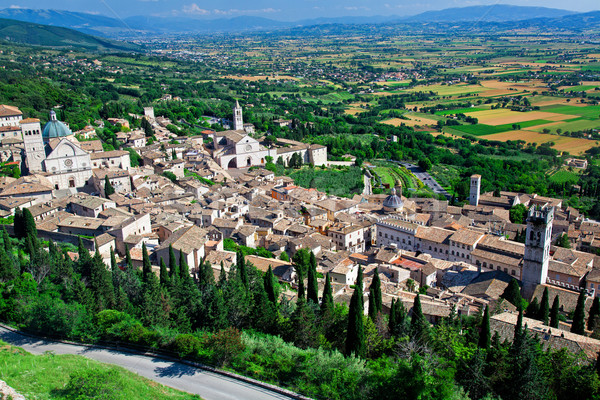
(53, 36)
(494, 13)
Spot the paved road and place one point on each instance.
(208, 385)
(425, 178)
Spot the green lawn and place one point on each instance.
(44, 378)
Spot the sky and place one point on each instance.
(289, 10)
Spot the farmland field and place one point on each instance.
(562, 143)
(504, 116)
(591, 112)
(412, 121)
(460, 111)
(482, 129)
(564, 176)
(448, 90)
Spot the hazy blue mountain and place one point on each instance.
(54, 36)
(493, 13)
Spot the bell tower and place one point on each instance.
(537, 248)
(238, 119)
(35, 152)
(475, 190)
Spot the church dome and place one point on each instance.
(393, 202)
(55, 128)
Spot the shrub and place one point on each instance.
(226, 345)
(186, 345)
(93, 384)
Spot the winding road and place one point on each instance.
(209, 385)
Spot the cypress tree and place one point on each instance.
(241, 269)
(359, 280)
(301, 290)
(108, 187)
(372, 311)
(207, 276)
(377, 299)
(484, 333)
(327, 302)
(128, 261)
(578, 325)
(519, 325)
(146, 265)
(355, 339)
(29, 227)
(269, 283)
(419, 327)
(184, 269)
(544, 314)
(313, 285)
(598, 364)
(84, 261)
(6, 240)
(222, 275)
(113, 260)
(533, 309)
(392, 319)
(18, 224)
(594, 313)
(554, 312)
(512, 293)
(115, 272)
(164, 274)
(172, 262)
(101, 284)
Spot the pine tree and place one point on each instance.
(484, 333)
(327, 301)
(355, 339)
(313, 285)
(554, 312)
(594, 313)
(377, 299)
(146, 265)
(173, 266)
(108, 187)
(419, 327)
(269, 284)
(544, 313)
(578, 325)
(164, 274)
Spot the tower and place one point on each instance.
(537, 248)
(35, 152)
(475, 189)
(238, 119)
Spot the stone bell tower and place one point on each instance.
(238, 119)
(475, 190)
(537, 248)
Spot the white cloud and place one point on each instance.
(195, 9)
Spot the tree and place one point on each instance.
(108, 187)
(284, 256)
(313, 285)
(269, 284)
(29, 227)
(419, 327)
(554, 312)
(512, 293)
(519, 324)
(578, 325)
(517, 214)
(485, 338)
(544, 313)
(241, 269)
(173, 267)
(146, 265)
(128, 261)
(206, 275)
(563, 241)
(594, 313)
(355, 338)
(18, 224)
(184, 269)
(327, 301)
(164, 274)
(301, 288)
(533, 309)
(375, 295)
(101, 284)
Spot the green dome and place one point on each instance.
(54, 128)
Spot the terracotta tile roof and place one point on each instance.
(9, 111)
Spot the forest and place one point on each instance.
(240, 321)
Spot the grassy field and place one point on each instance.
(590, 112)
(460, 111)
(561, 143)
(448, 90)
(482, 129)
(578, 124)
(45, 377)
(503, 116)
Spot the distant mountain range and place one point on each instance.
(505, 16)
(54, 36)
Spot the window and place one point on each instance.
(591, 285)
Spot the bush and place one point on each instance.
(227, 344)
(93, 384)
(186, 345)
